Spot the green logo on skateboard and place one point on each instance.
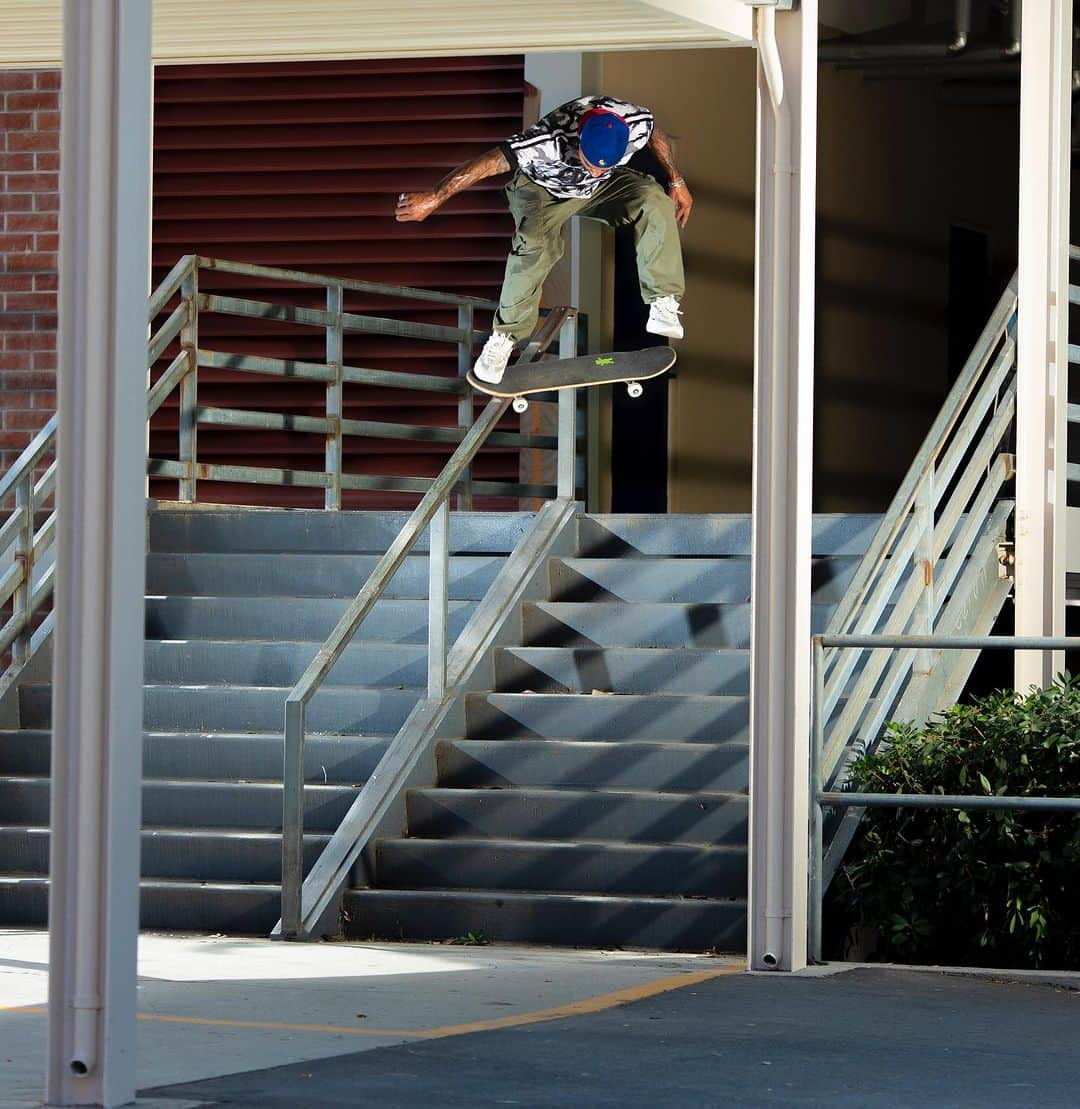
(605, 361)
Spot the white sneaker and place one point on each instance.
(664, 318)
(491, 364)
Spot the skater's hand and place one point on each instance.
(416, 206)
(682, 199)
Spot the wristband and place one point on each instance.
(676, 182)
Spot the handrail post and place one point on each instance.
(22, 601)
(189, 385)
(567, 450)
(292, 832)
(335, 357)
(438, 606)
(817, 851)
(465, 402)
(924, 565)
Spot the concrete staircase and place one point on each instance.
(238, 602)
(599, 794)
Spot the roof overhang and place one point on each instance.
(269, 30)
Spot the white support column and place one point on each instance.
(97, 700)
(1042, 332)
(783, 464)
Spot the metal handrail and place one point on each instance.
(333, 373)
(857, 803)
(27, 582)
(1072, 469)
(919, 552)
(433, 511)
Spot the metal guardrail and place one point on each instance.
(433, 512)
(915, 561)
(26, 548)
(931, 567)
(333, 373)
(27, 584)
(1072, 469)
(821, 798)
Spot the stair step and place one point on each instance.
(622, 869)
(565, 814)
(680, 580)
(200, 854)
(277, 663)
(203, 756)
(714, 536)
(276, 618)
(233, 908)
(721, 671)
(314, 530)
(576, 764)
(690, 718)
(660, 923)
(333, 574)
(620, 624)
(180, 804)
(336, 710)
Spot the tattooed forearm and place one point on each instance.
(660, 145)
(488, 164)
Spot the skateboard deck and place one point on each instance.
(577, 373)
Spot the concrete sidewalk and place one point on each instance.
(250, 1023)
(212, 1006)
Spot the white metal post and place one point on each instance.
(1042, 332)
(97, 701)
(783, 463)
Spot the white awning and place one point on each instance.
(267, 30)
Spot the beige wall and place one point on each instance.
(705, 101)
(895, 168)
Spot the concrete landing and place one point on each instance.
(248, 1023)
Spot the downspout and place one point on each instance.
(962, 26)
(776, 913)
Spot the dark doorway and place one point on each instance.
(969, 287)
(639, 428)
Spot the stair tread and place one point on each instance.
(170, 883)
(463, 843)
(599, 744)
(543, 895)
(552, 791)
(200, 783)
(224, 737)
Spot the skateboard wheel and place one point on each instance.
(634, 389)
(520, 405)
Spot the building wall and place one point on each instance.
(895, 168)
(29, 209)
(705, 101)
(294, 165)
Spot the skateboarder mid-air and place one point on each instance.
(572, 162)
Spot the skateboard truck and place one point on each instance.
(521, 404)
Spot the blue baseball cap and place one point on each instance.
(603, 136)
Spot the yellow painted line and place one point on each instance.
(589, 1005)
(279, 1026)
(596, 1004)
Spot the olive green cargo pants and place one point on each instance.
(627, 199)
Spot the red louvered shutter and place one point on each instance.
(299, 165)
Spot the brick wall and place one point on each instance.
(29, 209)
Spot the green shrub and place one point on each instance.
(972, 888)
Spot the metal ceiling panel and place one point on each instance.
(249, 30)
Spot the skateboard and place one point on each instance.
(631, 366)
